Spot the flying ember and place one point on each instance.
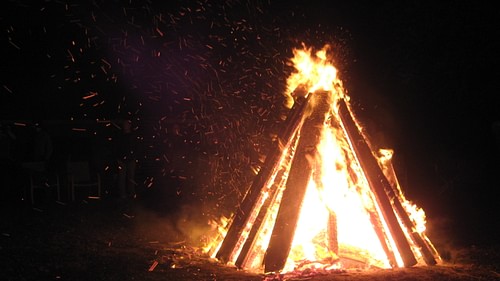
(325, 198)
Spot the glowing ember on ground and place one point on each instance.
(343, 221)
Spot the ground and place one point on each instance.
(123, 240)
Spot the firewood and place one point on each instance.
(378, 184)
(417, 238)
(298, 178)
(333, 242)
(260, 183)
(246, 253)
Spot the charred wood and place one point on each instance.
(279, 181)
(332, 231)
(271, 164)
(296, 185)
(378, 184)
(421, 243)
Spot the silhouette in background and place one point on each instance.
(9, 169)
(126, 151)
(7, 137)
(42, 144)
(39, 168)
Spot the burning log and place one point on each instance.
(263, 179)
(333, 242)
(378, 184)
(245, 254)
(382, 237)
(299, 176)
(427, 250)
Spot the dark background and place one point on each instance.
(425, 72)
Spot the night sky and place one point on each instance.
(427, 73)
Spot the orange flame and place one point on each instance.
(335, 193)
(339, 204)
(313, 72)
(214, 239)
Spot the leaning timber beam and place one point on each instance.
(245, 253)
(298, 178)
(382, 237)
(378, 183)
(261, 181)
(376, 221)
(422, 244)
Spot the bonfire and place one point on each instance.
(326, 198)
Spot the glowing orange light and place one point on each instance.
(338, 195)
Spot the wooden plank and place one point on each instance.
(382, 237)
(407, 222)
(296, 185)
(378, 184)
(279, 181)
(332, 231)
(271, 164)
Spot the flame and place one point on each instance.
(213, 240)
(333, 193)
(339, 214)
(338, 187)
(313, 72)
(416, 214)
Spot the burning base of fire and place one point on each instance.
(188, 263)
(326, 198)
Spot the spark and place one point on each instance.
(15, 46)
(7, 89)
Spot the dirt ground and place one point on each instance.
(116, 240)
